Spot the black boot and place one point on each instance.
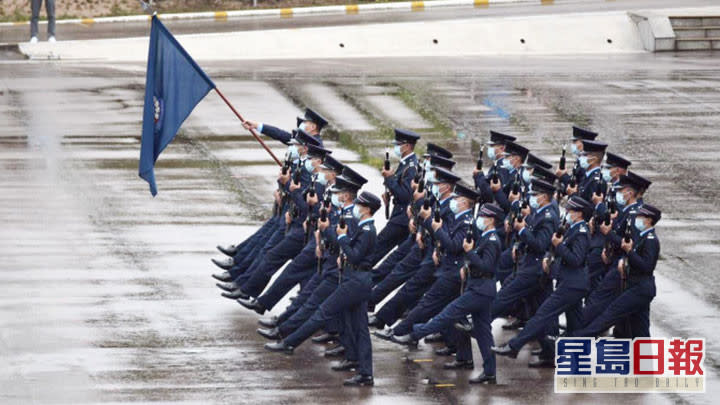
(252, 304)
(272, 334)
(228, 250)
(279, 347)
(224, 277)
(359, 380)
(234, 295)
(270, 322)
(434, 338)
(459, 364)
(406, 340)
(336, 351)
(505, 350)
(464, 326)
(483, 379)
(445, 351)
(345, 365)
(325, 338)
(229, 287)
(225, 264)
(385, 334)
(375, 322)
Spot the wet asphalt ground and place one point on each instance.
(107, 295)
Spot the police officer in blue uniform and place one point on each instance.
(628, 195)
(322, 284)
(505, 193)
(253, 281)
(481, 254)
(350, 298)
(496, 153)
(576, 147)
(637, 269)
(590, 160)
(435, 155)
(311, 123)
(242, 270)
(448, 256)
(606, 207)
(567, 265)
(397, 184)
(304, 264)
(403, 270)
(423, 278)
(534, 229)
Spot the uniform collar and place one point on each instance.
(589, 173)
(541, 209)
(461, 213)
(627, 207)
(365, 222)
(349, 207)
(406, 158)
(645, 232)
(487, 232)
(582, 221)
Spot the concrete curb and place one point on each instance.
(290, 12)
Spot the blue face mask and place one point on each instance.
(491, 153)
(356, 212)
(534, 202)
(583, 160)
(397, 151)
(480, 224)
(321, 178)
(435, 190)
(454, 206)
(335, 200)
(606, 174)
(506, 164)
(293, 152)
(429, 176)
(568, 218)
(640, 224)
(309, 166)
(574, 149)
(526, 176)
(303, 126)
(427, 165)
(620, 198)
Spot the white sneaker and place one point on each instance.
(51, 39)
(33, 40)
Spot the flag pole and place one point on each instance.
(252, 130)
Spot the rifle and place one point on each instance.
(323, 218)
(311, 221)
(561, 166)
(294, 213)
(626, 265)
(343, 257)
(386, 166)
(277, 207)
(479, 163)
(437, 218)
(559, 233)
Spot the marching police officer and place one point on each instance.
(567, 264)
(637, 270)
(350, 298)
(399, 189)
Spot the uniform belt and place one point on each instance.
(638, 277)
(358, 268)
(481, 275)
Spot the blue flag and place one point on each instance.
(174, 85)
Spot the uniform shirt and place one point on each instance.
(451, 240)
(644, 255)
(399, 186)
(483, 258)
(569, 266)
(535, 238)
(359, 246)
(591, 183)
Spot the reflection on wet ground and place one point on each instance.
(107, 295)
